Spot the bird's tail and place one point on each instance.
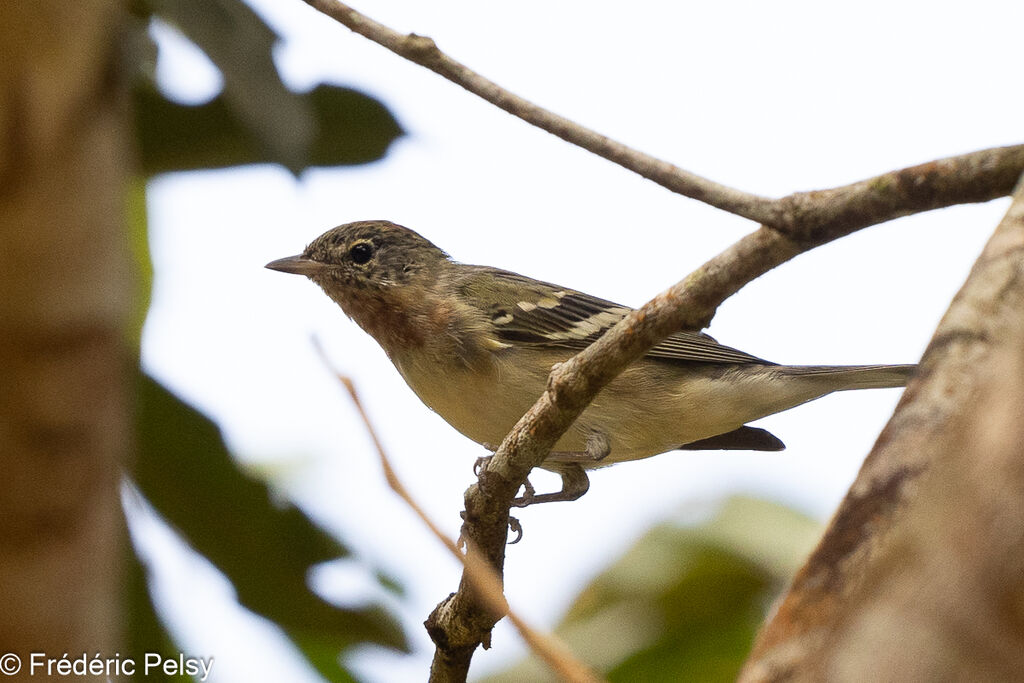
(843, 377)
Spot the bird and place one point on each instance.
(476, 344)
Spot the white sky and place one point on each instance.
(768, 97)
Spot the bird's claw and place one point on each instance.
(528, 497)
(481, 464)
(515, 527)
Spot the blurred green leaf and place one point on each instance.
(138, 236)
(684, 603)
(352, 128)
(391, 583)
(256, 118)
(240, 43)
(266, 551)
(709, 617)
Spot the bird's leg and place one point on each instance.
(569, 466)
(574, 484)
(597, 448)
(482, 461)
(528, 491)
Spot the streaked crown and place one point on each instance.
(372, 253)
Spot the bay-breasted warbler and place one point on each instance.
(476, 344)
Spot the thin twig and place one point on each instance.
(488, 585)
(423, 51)
(974, 177)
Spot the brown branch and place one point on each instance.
(423, 51)
(920, 572)
(818, 215)
(824, 215)
(485, 580)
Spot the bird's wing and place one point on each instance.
(528, 311)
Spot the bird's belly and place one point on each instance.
(477, 402)
(649, 409)
(639, 428)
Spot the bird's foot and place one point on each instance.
(574, 484)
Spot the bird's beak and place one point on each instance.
(299, 265)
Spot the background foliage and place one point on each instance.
(684, 603)
(183, 469)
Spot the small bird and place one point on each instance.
(477, 343)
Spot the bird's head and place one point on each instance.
(377, 271)
(364, 255)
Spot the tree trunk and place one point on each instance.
(65, 296)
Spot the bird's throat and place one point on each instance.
(393, 323)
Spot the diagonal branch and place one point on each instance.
(822, 215)
(975, 177)
(423, 51)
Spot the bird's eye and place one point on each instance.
(361, 252)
